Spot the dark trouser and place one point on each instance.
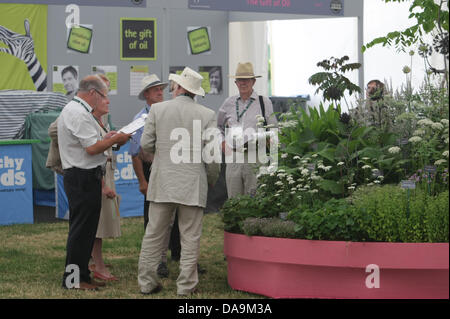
(84, 193)
(174, 244)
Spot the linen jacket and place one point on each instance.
(170, 130)
(53, 158)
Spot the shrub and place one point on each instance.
(335, 220)
(388, 215)
(270, 227)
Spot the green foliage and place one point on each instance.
(237, 209)
(269, 227)
(335, 220)
(383, 213)
(429, 15)
(332, 82)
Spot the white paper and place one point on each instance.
(135, 125)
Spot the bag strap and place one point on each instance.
(263, 110)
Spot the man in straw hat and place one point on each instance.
(242, 112)
(152, 92)
(177, 184)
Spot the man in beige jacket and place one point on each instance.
(177, 181)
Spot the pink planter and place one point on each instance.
(296, 268)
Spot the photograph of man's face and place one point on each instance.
(69, 76)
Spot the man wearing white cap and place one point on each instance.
(174, 184)
(241, 112)
(152, 92)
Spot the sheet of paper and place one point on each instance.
(137, 73)
(135, 125)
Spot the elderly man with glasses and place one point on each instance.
(82, 148)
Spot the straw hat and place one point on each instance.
(148, 82)
(189, 80)
(245, 71)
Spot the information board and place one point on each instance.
(138, 39)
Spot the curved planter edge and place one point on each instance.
(297, 268)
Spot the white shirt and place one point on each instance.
(77, 130)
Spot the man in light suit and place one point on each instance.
(177, 181)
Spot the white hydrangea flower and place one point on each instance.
(445, 122)
(305, 172)
(415, 139)
(312, 191)
(437, 126)
(293, 192)
(366, 167)
(394, 150)
(351, 187)
(314, 155)
(340, 164)
(276, 195)
(279, 183)
(291, 182)
(366, 158)
(419, 132)
(425, 122)
(263, 185)
(439, 162)
(281, 171)
(296, 157)
(284, 155)
(445, 154)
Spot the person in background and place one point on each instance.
(82, 156)
(109, 222)
(152, 92)
(240, 111)
(176, 185)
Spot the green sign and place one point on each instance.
(199, 40)
(138, 39)
(80, 39)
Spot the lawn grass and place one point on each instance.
(32, 262)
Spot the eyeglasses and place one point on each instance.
(101, 94)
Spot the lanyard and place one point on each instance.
(98, 121)
(238, 117)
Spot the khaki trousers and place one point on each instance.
(240, 179)
(190, 224)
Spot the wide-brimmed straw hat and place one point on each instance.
(245, 71)
(189, 80)
(148, 82)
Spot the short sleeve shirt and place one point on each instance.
(77, 130)
(135, 143)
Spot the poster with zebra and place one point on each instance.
(23, 47)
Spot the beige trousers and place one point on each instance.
(240, 179)
(190, 224)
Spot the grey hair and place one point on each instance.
(92, 82)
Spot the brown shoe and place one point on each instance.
(87, 286)
(97, 283)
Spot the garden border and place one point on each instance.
(298, 268)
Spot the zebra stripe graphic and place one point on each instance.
(22, 47)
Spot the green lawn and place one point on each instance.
(32, 263)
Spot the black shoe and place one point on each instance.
(200, 269)
(175, 256)
(162, 271)
(153, 291)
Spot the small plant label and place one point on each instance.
(403, 141)
(430, 169)
(408, 184)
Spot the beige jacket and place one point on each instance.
(182, 183)
(53, 158)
